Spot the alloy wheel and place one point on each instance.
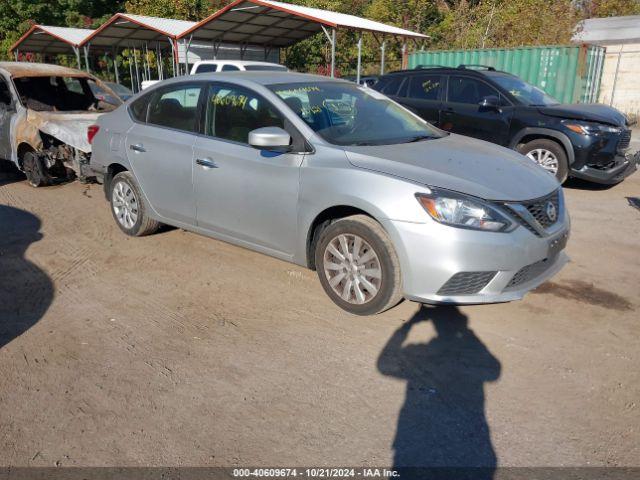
(352, 268)
(545, 158)
(125, 204)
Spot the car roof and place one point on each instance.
(237, 62)
(467, 69)
(28, 69)
(256, 77)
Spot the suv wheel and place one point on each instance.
(127, 207)
(34, 170)
(358, 266)
(549, 155)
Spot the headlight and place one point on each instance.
(591, 128)
(465, 212)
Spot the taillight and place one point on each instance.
(91, 132)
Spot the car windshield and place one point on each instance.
(59, 94)
(119, 89)
(525, 92)
(346, 114)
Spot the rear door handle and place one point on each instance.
(206, 162)
(137, 147)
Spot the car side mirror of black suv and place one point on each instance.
(490, 102)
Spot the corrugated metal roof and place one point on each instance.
(126, 29)
(166, 25)
(278, 24)
(611, 30)
(49, 39)
(345, 20)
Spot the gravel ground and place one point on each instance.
(175, 349)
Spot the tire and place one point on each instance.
(128, 208)
(358, 296)
(550, 152)
(34, 170)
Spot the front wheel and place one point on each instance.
(127, 207)
(549, 155)
(34, 170)
(358, 266)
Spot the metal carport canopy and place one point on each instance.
(125, 29)
(277, 24)
(52, 40)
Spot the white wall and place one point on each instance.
(226, 51)
(626, 96)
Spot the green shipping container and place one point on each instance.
(571, 74)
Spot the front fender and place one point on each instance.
(545, 132)
(328, 180)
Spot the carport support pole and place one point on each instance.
(86, 57)
(383, 46)
(135, 64)
(333, 52)
(115, 64)
(76, 50)
(16, 55)
(186, 56)
(133, 85)
(359, 59)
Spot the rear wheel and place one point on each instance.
(358, 266)
(34, 170)
(127, 207)
(549, 155)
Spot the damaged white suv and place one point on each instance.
(45, 111)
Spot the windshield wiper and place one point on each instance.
(419, 138)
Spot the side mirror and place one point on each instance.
(490, 102)
(270, 138)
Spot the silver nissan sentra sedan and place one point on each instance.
(337, 178)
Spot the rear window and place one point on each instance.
(270, 68)
(206, 68)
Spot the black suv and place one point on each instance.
(587, 141)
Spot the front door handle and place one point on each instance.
(206, 162)
(137, 147)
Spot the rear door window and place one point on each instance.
(176, 107)
(229, 68)
(425, 87)
(207, 68)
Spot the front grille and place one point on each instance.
(625, 140)
(539, 211)
(466, 283)
(529, 272)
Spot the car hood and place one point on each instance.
(458, 163)
(68, 127)
(590, 112)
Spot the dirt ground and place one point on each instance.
(176, 349)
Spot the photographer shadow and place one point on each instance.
(442, 430)
(26, 291)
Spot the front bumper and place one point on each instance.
(622, 167)
(431, 254)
